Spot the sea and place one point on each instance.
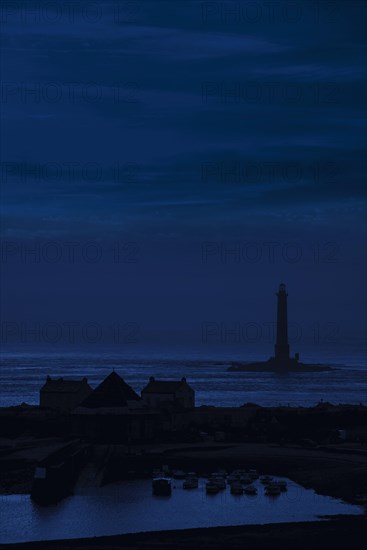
(23, 372)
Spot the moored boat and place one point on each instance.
(158, 474)
(220, 482)
(161, 486)
(179, 474)
(211, 488)
(245, 479)
(272, 489)
(250, 490)
(282, 485)
(236, 488)
(232, 478)
(266, 479)
(191, 482)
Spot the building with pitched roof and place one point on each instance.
(63, 395)
(162, 393)
(113, 392)
(114, 413)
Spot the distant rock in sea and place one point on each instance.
(274, 366)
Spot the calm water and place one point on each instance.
(129, 507)
(23, 373)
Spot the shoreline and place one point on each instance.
(333, 472)
(336, 469)
(337, 533)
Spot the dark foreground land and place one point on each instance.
(336, 534)
(334, 470)
(271, 440)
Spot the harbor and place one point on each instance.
(131, 507)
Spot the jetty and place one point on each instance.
(55, 476)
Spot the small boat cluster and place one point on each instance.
(273, 487)
(239, 481)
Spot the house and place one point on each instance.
(163, 393)
(63, 395)
(113, 413)
(113, 392)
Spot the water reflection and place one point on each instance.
(130, 507)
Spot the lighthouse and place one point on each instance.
(281, 362)
(282, 345)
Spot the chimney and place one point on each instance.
(183, 379)
(151, 379)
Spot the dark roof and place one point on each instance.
(60, 385)
(112, 392)
(164, 386)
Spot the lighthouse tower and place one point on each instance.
(282, 345)
(281, 362)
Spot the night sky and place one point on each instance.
(171, 162)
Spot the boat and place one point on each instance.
(219, 474)
(236, 488)
(250, 490)
(245, 479)
(219, 482)
(282, 485)
(272, 489)
(232, 478)
(179, 474)
(211, 488)
(266, 479)
(161, 486)
(191, 483)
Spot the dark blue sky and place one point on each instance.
(168, 125)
